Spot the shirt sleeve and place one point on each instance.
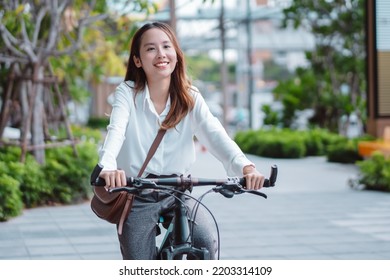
(116, 129)
(210, 132)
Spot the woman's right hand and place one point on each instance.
(113, 178)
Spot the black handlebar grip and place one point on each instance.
(273, 175)
(99, 182)
(95, 175)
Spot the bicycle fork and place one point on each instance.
(182, 244)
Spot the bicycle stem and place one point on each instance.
(181, 227)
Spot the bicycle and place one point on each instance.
(177, 242)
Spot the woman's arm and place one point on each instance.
(115, 137)
(212, 134)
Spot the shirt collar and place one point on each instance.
(167, 107)
(147, 101)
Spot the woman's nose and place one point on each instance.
(161, 52)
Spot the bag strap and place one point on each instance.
(125, 212)
(130, 198)
(152, 150)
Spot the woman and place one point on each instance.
(157, 94)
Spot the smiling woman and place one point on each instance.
(156, 44)
(157, 95)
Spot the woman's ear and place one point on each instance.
(137, 61)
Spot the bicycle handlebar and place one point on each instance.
(227, 187)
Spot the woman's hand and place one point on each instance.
(253, 178)
(113, 178)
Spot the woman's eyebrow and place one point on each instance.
(152, 44)
(148, 44)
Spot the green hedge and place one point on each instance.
(10, 197)
(63, 179)
(98, 122)
(375, 172)
(271, 143)
(286, 143)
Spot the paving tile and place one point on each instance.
(311, 214)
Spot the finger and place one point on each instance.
(120, 178)
(107, 179)
(257, 182)
(260, 183)
(123, 179)
(113, 179)
(249, 182)
(116, 180)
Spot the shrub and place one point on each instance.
(317, 140)
(247, 140)
(293, 148)
(281, 145)
(286, 143)
(29, 175)
(343, 152)
(34, 185)
(276, 143)
(11, 204)
(375, 172)
(97, 122)
(63, 179)
(69, 174)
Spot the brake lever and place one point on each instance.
(133, 186)
(132, 190)
(229, 189)
(226, 193)
(256, 193)
(140, 183)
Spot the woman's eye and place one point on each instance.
(149, 49)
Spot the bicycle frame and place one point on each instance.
(177, 241)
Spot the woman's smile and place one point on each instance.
(162, 64)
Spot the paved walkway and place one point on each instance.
(312, 214)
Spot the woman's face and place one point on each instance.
(158, 56)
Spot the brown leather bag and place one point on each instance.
(115, 207)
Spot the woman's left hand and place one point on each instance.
(253, 178)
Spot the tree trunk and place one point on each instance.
(37, 132)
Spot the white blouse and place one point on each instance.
(134, 124)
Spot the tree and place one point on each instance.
(202, 67)
(334, 84)
(47, 44)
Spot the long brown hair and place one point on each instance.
(180, 87)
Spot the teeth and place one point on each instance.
(162, 64)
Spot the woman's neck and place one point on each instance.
(159, 92)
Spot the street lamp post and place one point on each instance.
(172, 14)
(249, 58)
(223, 64)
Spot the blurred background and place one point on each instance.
(286, 78)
